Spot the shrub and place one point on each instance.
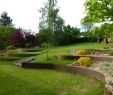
(83, 61)
(10, 48)
(2, 55)
(11, 51)
(81, 52)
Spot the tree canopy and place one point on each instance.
(98, 11)
(5, 19)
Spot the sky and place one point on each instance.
(25, 13)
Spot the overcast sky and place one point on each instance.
(25, 12)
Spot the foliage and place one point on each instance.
(81, 52)
(10, 48)
(17, 38)
(5, 32)
(5, 19)
(83, 61)
(51, 26)
(108, 66)
(2, 54)
(98, 11)
(69, 34)
(102, 31)
(11, 51)
(49, 14)
(30, 39)
(63, 34)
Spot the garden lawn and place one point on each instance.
(19, 81)
(64, 50)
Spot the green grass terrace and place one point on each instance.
(15, 80)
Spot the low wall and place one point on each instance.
(93, 58)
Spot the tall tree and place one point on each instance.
(49, 15)
(17, 38)
(5, 19)
(5, 32)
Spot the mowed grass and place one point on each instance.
(20, 81)
(64, 50)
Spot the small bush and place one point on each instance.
(11, 51)
(11, 48)
(2, 55)
(81, 52)
(83, 61)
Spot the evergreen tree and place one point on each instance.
(5, 19)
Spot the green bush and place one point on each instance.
(83, 61)
(11, 51)
(2, 54)
(11, 48)
(81, 52)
